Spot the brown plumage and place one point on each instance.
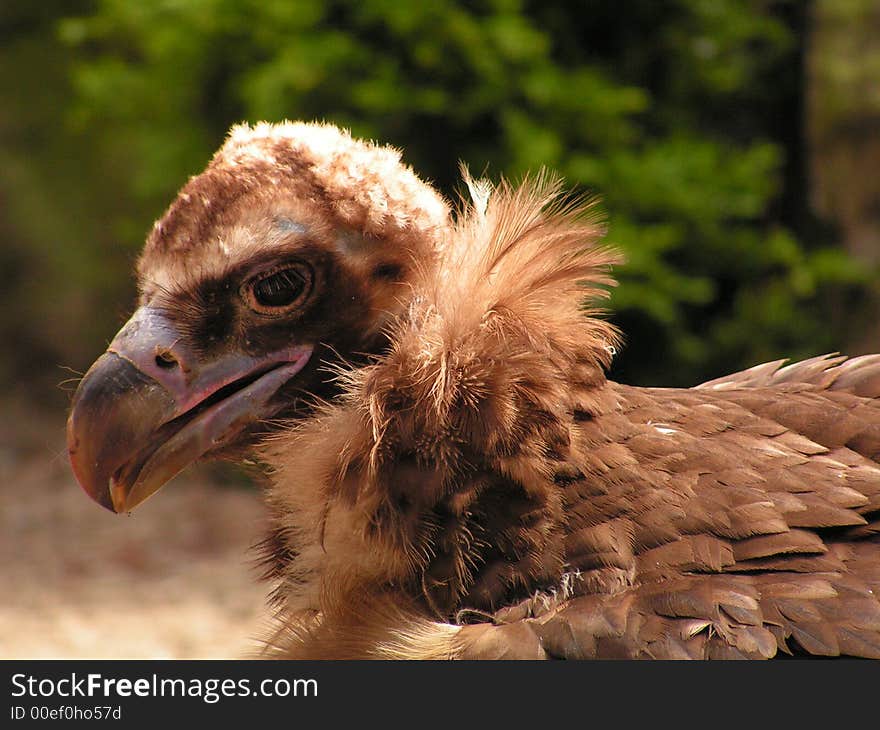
(452, 475)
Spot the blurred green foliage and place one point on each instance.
(682, 115)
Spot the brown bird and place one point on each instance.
(452, 475)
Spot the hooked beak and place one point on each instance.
(150, 406)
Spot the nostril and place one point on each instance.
(166, 360)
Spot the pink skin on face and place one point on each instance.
(140, 416)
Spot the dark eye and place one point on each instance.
(280, 290)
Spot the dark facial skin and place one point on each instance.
(334, 317)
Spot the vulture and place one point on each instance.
(450, 473)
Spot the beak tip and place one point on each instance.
(107, 421)
(118, 495)
(103, 496)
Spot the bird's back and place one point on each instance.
(737, 519)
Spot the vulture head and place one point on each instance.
(293, 249)
(452, 474)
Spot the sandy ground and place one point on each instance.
(175, 579)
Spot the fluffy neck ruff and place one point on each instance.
(435, 475)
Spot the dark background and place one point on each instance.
(734, 144)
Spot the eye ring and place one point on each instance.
(279, 290)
